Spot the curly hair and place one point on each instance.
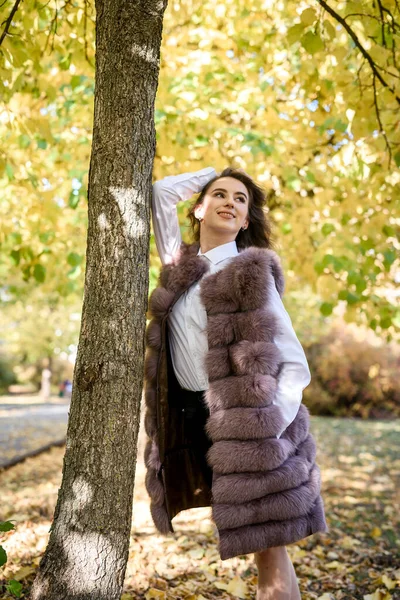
(259, 232)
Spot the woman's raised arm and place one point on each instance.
(166, 194)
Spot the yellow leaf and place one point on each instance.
(24, 572)
(334, 564)
(390, 584)
(326, 597)
(378, 595)
(376, 532)
(196, 553)
(221, 586)
(237, 587)
(308, 16)
(153, 594)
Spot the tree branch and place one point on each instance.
(9, 20)
(357, 42)
(381, 130)
(382, 23)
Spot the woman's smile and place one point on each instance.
(226, 215)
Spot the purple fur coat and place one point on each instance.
(265, 491)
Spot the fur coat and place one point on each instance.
(265, 490)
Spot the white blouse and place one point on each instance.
(188, 318)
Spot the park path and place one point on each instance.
(27, 424)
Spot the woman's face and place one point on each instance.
(225, 206)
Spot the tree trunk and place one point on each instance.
(88, 548)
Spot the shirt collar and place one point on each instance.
(215, 255)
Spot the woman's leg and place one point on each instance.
(276, 575)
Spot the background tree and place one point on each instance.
(88, 548)
(304, 97)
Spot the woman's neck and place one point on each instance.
(208, 243)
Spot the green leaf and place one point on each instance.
(390, 256)
(385, 322)
(65, 62)
(340, 126)
(352, 298)
(329, 29)
(319, 268)
(27, 252)
(352, 277)
(389, 231)
(24, 141)
(26, 272)
(345, 219)
(294, 33)
(42, 144)
(6, 526)
(46, 236)
(14, 587)
(74, 273)
(327, 228)
(9, 171)
(312, 42)
(286, 228)
(310, 177)
(76, 80)
(397, 159)
(73, 200)
(3, 556)
(201, 141)
(74, 259)
(39, 273)
(373, 324)
(17, 237)
(361, 285)
(326, 308)
(15, 257)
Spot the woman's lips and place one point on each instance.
(226, 215)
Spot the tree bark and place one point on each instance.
(88, 547)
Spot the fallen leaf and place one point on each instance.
(24, 572)
(376, 532)
(237, 587)
(390, 584)
(221, 586)
(334, 564)
(196, 553)
(153, 594)
(378, 595)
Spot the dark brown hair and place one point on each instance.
(258, 233)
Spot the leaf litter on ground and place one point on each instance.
(359, 558)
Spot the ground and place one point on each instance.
(359, 558)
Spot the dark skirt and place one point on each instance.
(186, 452)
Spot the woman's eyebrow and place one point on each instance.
(223, 190)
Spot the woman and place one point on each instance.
(224, 378)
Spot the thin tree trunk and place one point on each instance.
(88, 548)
